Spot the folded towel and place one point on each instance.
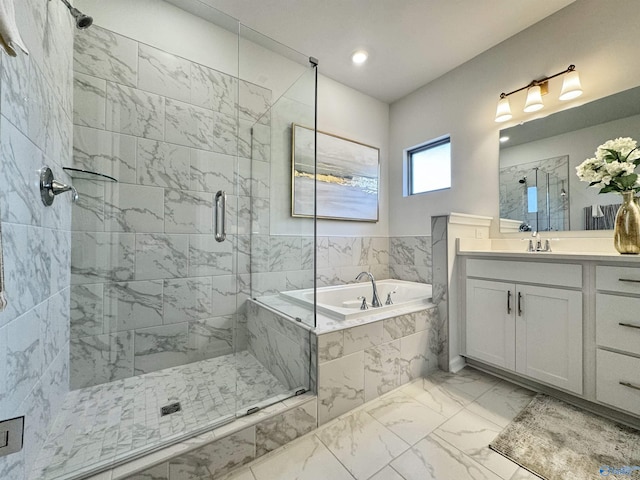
(596, 211)
(10, 38)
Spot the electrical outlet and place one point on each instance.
(480, 233)
(11, 436)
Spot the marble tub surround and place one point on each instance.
(361, 363)
(35, 130)
(99, 425)
(281, 344)
(151, 288)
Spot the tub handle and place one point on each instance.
(389, 300)
(220, 218)
(364, 305)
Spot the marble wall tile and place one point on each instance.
(189, 125)
(211, 171)
(104, 54)
(88, 211)
(187, 299)
(284, 253)
(135, 112)
(211, 337)
(132, 305)
(162, 73)
(23, 356)
(162, 164)
(19, 190)
(15, 91)
(213, 90)
(161, 256)
(259, 214)
(188, 212)
(340, 386)
(156, 348)
(398, 327)
(381, 369)
(209, 257)
(286, 427)
(307, 256)
(224, 290)
(100, 359)
(105, 152)
(261, 143)
(216, 458)
(41, 109)
(134, 208)
(100, 256)
(27, 268)
(414, 356)
(330, 346)
(89, 101)
(54, 327)
(59, 258)
(159, 472)
(87, 310)
(225, 134)
(363, 336)
(340, 251)
(253, 101)
(440, 253)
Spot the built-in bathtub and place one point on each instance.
(341, 302)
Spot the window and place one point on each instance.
(429, 166)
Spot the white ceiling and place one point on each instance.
(410, 42)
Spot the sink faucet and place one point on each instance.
(375, 301)
(538, 245)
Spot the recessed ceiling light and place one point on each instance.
(504, 139)
(359, 57)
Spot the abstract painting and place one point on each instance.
(347, 177)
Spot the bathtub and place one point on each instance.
(341, 302)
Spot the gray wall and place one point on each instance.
(35, 129)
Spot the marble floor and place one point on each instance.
(114, 420)
(436, 428)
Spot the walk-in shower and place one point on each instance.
(186, 127)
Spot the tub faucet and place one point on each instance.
(375, 301)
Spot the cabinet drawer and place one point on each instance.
(618, 279)
(613, 369)
(611, 312)
(560, 274)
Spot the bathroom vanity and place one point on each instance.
(564, 320)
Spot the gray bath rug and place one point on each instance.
(557, 441)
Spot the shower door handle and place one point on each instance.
(220, 217)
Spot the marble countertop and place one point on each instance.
(553, 256)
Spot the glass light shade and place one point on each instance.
(359, 57)
(534, 99)
(503, 112)
(571, 87)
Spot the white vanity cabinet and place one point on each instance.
(526, 317)
(618, 337)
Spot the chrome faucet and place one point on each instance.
(538, 244)
(375, 301)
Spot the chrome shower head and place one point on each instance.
(82, 21)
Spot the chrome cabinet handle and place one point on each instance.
(220, 218)
(628, 280)
(631, 325)
(630, 385)
(508, 301)
(519, 304)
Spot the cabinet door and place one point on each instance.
(490, 328)
(549, 336)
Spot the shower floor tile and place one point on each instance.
(99, 424)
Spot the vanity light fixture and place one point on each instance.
(571, 89)
(359, 57)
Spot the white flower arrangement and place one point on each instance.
(613, 168)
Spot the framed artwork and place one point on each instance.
(348, 177)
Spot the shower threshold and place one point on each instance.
(109, 424)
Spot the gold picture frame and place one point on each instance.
(348, 177)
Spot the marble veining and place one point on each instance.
(89, 101)
(135, 112)
(162, 164)
(162, 73)
(109, 421)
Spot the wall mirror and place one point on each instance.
(539, 188)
